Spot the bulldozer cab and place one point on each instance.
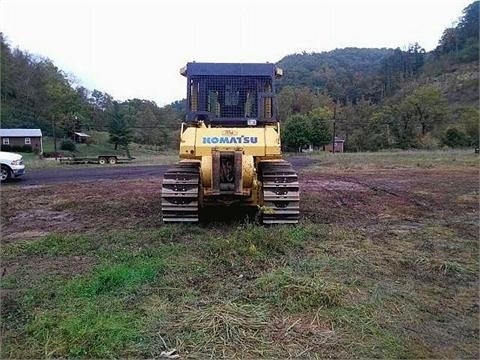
(222, 94)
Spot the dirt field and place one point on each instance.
(383, 264)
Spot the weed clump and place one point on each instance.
(225, 329)
(250, 243)
(295, 293)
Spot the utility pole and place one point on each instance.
(334, 127)
(54, 138)
(345, 144)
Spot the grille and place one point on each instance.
(226, 169)
(231, 97)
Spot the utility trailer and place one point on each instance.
(100, 159)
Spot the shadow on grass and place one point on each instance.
(228, 215)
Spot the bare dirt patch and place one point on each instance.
(330, 185)
(68, 208)
(368, 196)
(301, 334)
(63, 266)
(38, 222)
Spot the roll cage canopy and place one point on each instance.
(231, 93)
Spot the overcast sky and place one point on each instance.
(136, 48)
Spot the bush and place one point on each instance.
(17, 148)
(67, 145)
(51, 154)
(454, 137)
(469, 118)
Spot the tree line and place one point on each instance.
(386, 98)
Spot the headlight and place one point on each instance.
(17, 162)
(252, 122)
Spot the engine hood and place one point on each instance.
(8, 156)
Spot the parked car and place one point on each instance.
(12, 165)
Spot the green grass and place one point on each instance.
(94, 314)
(151, 155)
(209, 293)
(396, 159)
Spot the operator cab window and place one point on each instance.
(231, 97)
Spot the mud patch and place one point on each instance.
(43, 215)
(33, 223)
(331, 185)
(26, 187)
(30, 234)
(62, 266)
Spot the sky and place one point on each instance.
(134, 49)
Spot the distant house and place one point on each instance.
(338, 145)
(15, 138)
(80, 137)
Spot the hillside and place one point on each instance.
(458, 83)
(343, 73)
(386, 98)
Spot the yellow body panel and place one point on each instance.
(255, 143)
(196, 142)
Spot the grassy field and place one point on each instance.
(143, 154)
(396, 159)
(150, 155)
(384, 264)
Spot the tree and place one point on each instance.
(468, 26)
(469, 118)
(149, 127)
(299, 100)
(427, 106)
(399, 120)
(462, 40)
(296, 132)
(319, 128)
(120, 132)
(100, 105)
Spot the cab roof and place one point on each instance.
(230, 69)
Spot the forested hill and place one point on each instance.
(341, 72)
(386, 98)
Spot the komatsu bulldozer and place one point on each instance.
(230, 146)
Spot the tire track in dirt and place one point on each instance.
(377, 189)
(341, 183)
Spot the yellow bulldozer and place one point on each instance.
(230, 147)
